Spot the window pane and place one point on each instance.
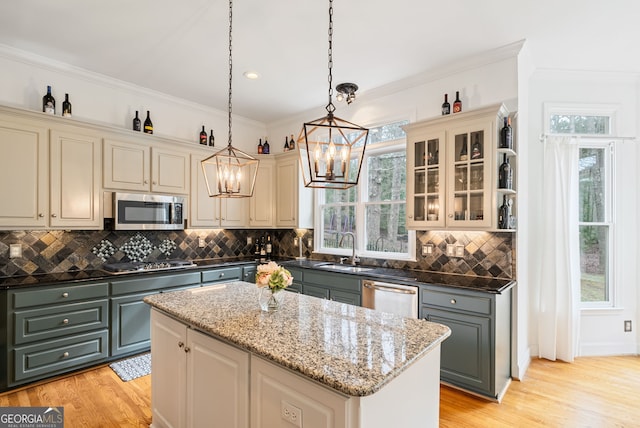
(579, 124)
(391, 131)
(387, 177)
(594, 266)
(386, 228)
(337, 220)
(592, 185)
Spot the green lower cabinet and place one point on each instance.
(477, 355)
(465, 357)
(249, 273)
(316, 291)
(130, 326)
(49, 358)
(342, 288)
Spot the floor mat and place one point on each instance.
(133, 368)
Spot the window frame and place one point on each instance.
(360, 205)
(608, 221)
(604, 141)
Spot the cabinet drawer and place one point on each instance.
(454, 301)
(61, 320)
(129, 286)
(225, 274)
(333, 281)
(52, 357)
(53, 295)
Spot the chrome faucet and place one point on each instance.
(354, 259)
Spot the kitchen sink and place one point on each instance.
(343, 268)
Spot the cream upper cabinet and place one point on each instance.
(294, 202)
(262, 203)
(169, 171)
(24, 166)
(204, 211)
(126, 165)
(49, 178)
(75, 170)
(208, 212)
(139, 167)
(452, 170)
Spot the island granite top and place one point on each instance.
(351, 349)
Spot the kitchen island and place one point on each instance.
(218, 360)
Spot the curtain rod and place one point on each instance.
(592, 137)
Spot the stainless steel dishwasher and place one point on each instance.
(393, 298)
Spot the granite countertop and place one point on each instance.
(407, 276)
(351, 349)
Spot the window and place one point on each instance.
(374, 211)
(595, 224)
(595, 196)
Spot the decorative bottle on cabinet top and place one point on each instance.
(212, 140)
(148, 125)
(137, 124)
(66, 106)
(446, 107)
(457, 104)
(48, 102)
(203, 136)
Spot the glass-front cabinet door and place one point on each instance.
(469, 151)
(425, 201)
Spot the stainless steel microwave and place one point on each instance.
(137, 211)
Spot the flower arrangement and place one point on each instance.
(273, 276)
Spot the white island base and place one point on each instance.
(200, 381)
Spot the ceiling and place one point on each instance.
(181, 47)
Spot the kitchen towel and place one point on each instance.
(133, 368)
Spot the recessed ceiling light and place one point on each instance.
(252, 75)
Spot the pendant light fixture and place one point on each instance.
(230, 173)
(326, 145)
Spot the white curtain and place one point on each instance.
(559, 318)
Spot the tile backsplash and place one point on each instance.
(488, 254)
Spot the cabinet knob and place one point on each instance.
(65, 321)
(453, 301)
(221, 274)
(65, 294)
(180, 344)
(65, 355)
(40, 215)
(154, 183)
(410, 216)
(450, 216)
(146, 181)
(187, 349)
(54, 215)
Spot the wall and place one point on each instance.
(104, 100)
(601, 330)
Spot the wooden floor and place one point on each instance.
(593, 392)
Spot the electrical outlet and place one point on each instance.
(295, 242)
(627, 325)
(459, 250)
(291, 413)
(451, 250)
(310, 242)
(201, 243)
(249, 240)
(427, 249)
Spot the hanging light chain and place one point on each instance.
(230, 64)
(330, 107)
